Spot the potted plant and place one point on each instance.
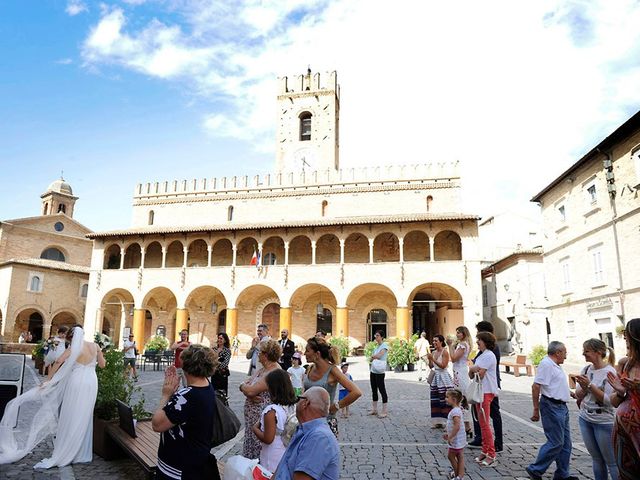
(113, 385)
(157, 343)
(412, 356)
(538, 352)
(342, 344)
(368, 350)
(397, 356)
(38, 353)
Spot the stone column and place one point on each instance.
(164, 257)
(141, 257)
(286, 253)
(342, 321)
(402, 323)
(234, 248)
(401, 245)
(342, 242)
(313, 252)
(209, 253)
(185, 253)
(371, 250)
(260, 259)
(285, 320)
(431, 249)
(121, 258)
(182, 321)
(232, 321)
(138, 327)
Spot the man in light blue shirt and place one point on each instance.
(313, 452)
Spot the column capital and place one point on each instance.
(209, 248)
(371, 240)
(342, 241)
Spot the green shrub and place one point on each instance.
(538, 352)
(412, 356)
(342, 344)
(368, 350)
(157, 343)
(397, 352)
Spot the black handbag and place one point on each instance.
(226, 424)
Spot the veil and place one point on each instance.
(15, 443)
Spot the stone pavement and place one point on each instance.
(402, 446)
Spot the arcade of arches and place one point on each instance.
(433, 307)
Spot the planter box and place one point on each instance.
(411, 367)
(103, 444)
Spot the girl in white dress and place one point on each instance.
(459, 351)
(67, 401)
(272, 422)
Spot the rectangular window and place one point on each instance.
(571, 328)
(566, 274)
(607, 338)
(592, 197)
(305, 130)
(636, 163)
(562, 214)
(485, 295)
(596, 263)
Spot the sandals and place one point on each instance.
(489, 461)
(382, 415)
(480, 458)
(373, 412)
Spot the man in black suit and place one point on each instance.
(288, 349)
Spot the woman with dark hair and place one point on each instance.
(220, 378)
(325, 373)
(440, 382)
(67, 402)
(376, 374)
(626, 430)
(270, 428)
(256, 391)
(485, 367)
(185, 418)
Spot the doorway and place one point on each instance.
(271, 317)
(376, 320)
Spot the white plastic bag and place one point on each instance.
(239, 468)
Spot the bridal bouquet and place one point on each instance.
(103, 341)
(49, 344)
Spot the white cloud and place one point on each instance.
(64, 61)
(517, 92)
(74, 7)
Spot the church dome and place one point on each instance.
(60, 186)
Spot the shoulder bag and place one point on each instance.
(378, 366)
(226, 424)
(474, 393)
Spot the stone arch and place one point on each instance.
(222, 253)
(436, 308)
(198, 255)
(300, 250)
(153, 255)
(175, 254)
(273, 251)
(205, 303)
(161, 303)
(250, 302)
(133, 256)
(115, 313)
(29, 318)
(268, 313)
(364, 298)
(112, 257)
(305, 304)
(246, 247)
(447, 246)
(328, 249)
(356, 248)
(416, 246)
(66, 318)
(386, 247)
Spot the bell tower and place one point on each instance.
(307, 136)
(58, 199)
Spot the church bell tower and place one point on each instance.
(308, 123)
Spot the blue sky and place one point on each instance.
(121, 92)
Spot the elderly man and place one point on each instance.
(262, 335)
(313, 452)
(550, 394)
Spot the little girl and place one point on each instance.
(296, 372)
(342, 391)
(456, 435)
(273, 418)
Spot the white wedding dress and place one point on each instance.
(67, 406)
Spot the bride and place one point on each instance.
(66, 411)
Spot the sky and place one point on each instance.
(121, 92)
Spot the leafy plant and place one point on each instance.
(157, 343)
(412, 356)
(368, 350)
(620, 330)
(538, 352)
(103, 341)
(397, 352)
(39, 351)
(342, 344)
(114, 385)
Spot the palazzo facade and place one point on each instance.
(311, 246)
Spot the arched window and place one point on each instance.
(230, 213)
(305, 126)
(269, 259)
(429, 203)
(53, 254)
(36, 284)
(325, 206)
(84, 290)
(324, 321)
(62, 208)
(46, 209)
(151, 217)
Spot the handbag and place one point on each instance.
(226, 424)
(474, 393)
(432, 374)
(378, 366)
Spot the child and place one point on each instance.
(297, 372)
(456, 435)
(272, 421)
(343, 392)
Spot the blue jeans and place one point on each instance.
(555, 423)
(598, 438)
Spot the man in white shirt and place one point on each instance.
(262, 335)
(422, 349)
(550, 394)
(129, 348)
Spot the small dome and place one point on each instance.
(60, 186)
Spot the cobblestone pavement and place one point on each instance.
(402, 446)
